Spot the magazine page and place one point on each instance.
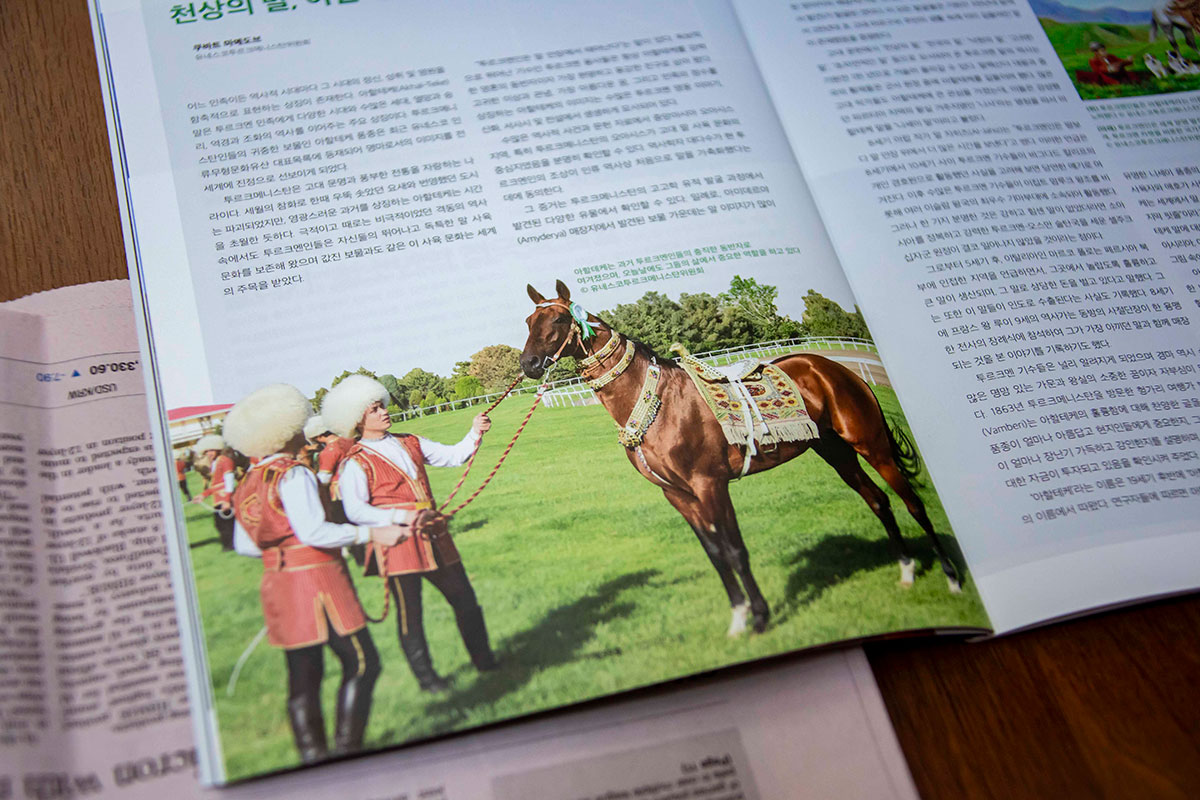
(94, 701)
(1012, 189)
(396, 212)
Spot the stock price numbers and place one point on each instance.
(113, 366)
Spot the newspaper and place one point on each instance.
(94, 701)
(960, 243)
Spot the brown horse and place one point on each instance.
(685, 453)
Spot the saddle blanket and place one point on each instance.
(756, 403)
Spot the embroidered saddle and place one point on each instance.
(755, 402)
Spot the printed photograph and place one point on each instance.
(614, 498)
(1124, 48)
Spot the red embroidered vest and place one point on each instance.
(259, 508)
(391, 487)
(333, 454)
(305, 590)
(216, 478)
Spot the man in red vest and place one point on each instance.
(333, 449)
(308, 599)
(181, 468)
(222, 477)
(327, 450)
(1109, 68)
(382, 480)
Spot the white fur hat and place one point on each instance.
(315, 427)
(344, 405)
(266, 419)
(210, 441)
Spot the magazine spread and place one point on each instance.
(94, 702)
(508, 300)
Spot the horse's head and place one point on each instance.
(553, 332)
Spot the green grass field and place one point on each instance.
(591, 583)
(1071, 41)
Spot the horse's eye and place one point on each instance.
(562, 319)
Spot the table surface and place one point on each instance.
(1107, 706)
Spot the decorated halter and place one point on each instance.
(648, 403)
(583, 329)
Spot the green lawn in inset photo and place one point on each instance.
(1072, 40)
(591, 583)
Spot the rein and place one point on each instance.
(520, 428)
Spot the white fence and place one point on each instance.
(574, 392)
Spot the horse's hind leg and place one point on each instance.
(886, 466)
(843, 458)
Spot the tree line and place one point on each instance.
(744, 314)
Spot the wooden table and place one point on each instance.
(1107, 706)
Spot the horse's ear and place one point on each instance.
(534, 294)
(563, 292)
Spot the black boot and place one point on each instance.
(353, 710)
(308, 728)
(416, 650)
(224, 526)
(475, 637)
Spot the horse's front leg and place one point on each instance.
(690, 507)
(717, 503)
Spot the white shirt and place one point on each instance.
(356, 495)
(306, 515)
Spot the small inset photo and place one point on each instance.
(1124, 48)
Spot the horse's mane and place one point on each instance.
(666, 361)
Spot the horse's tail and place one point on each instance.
(904, 452)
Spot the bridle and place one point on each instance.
(583, 329)
(576, 334)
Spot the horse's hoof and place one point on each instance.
(955, 586)
(737, 625)
(906, 573)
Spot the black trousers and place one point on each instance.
(306, 668)
(224, 526)
(451, 581)
(455, 586)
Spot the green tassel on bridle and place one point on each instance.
(586, 331)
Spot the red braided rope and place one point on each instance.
(528, 415)
(387, 596)
(471, 460)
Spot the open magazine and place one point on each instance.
(95, 704)
(598, 319)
